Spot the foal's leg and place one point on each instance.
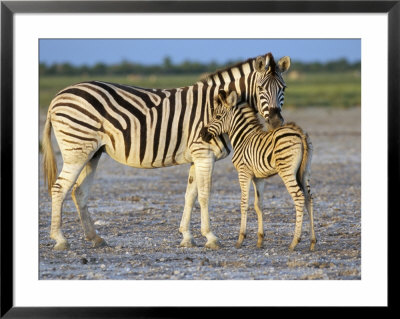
(258, 200)
(190, 198)
(298, 197)
(244, 181)
(80, 194)
(309, 205)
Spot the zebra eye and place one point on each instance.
(217, 117)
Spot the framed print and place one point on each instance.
(153, 265)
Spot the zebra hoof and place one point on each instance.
(260, 240)
(99, 242)
(292, 247)
(188, 243)
(240, 240)
(215, 244)
(294, 244)
(61, 246)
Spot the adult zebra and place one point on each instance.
(147, 128)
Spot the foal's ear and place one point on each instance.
(231, 100)
(222, 96)
(227, 100)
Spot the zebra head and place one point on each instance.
(270, 86)
(220, 121)
(272, 115)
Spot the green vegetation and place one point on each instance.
(335, 84)
(323, 89)
(186, 67)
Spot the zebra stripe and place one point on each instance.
(258, 154)
(145, 128)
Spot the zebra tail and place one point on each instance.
(49, 161)
(304, 172)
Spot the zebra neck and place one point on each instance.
(230, 74)
(238, 78)
(243, 124)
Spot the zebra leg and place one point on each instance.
(298, 197)
(299, 203)
(190, 198)
(309, 205)
(59, 190)
(203, 169)
(244, 181)
(80, 193)
(258, 200)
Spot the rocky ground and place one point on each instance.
(138, 213)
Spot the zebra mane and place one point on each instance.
(272, 63)
(208, 77)
(294, 126)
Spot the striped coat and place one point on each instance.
(146, 128)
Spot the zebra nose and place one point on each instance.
(275, 118)
(203, 131)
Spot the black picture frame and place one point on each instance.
(9, 8)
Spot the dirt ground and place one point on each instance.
(138, 213)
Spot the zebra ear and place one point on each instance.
(284, 64)
(231, 100)
(261, 63)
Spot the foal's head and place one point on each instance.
(222, 116)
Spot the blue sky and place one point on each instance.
(153, 51)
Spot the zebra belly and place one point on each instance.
(265, 174)
(261, 171)
(134, 161)
(190, 154)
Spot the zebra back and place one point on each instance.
(154, 127)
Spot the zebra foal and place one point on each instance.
(285, 150)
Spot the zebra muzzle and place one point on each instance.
(275, 118)
(205, 135)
